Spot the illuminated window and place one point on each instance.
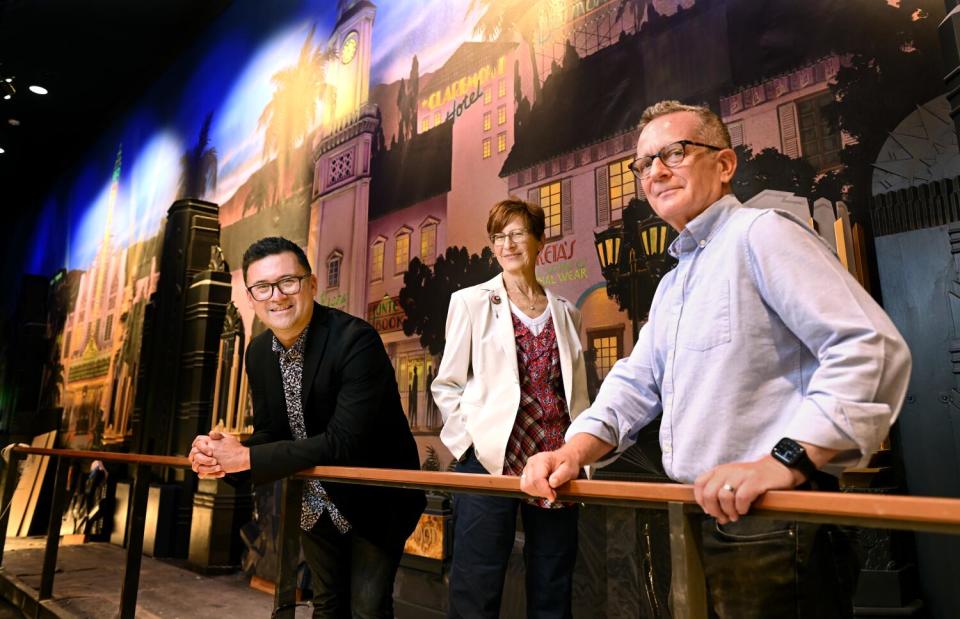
(402, 257)
(607, 347)
(436, 118)
(623, 187)
(501, 114)
(486, 148)
(108, 328)
(501, 142)
(487, 95)
(334, 263)
(550, 203)
(502, 89)
(376, 260)
(428, 242)
(487, 121)
(424, 124)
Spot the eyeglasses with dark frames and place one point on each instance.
(289, 285)
(670, 155)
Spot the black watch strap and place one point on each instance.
(792, 455)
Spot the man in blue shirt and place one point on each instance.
(773, 369)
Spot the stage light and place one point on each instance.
(38, 90)
(1, 150)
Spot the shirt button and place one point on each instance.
(703, 242)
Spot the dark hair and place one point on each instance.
(505, 210)
(270, 246)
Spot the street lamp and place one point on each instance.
(633, 258)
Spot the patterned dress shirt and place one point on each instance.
(315, 499)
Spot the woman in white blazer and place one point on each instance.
(511, 379)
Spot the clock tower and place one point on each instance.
(350, 46)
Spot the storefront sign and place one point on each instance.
(335, 300)
(563, 272)
(555, 252)
(386, 315)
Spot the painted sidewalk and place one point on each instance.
(88, 579)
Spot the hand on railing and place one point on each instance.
(547, 471)
(216, 454)
(202, 461)
(726, 492)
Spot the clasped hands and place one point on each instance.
(214, 455)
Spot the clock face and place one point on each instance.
(349, 48)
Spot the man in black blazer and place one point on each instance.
(324, 393)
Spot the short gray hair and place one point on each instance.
(712, 128)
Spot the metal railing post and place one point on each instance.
(285, 594)
(135, 525)
(53, 529)
(688, 587)
(10, 475)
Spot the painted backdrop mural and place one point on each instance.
(377, 136)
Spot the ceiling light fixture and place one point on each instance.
(38, 90)
(7, 89)
(1, 150)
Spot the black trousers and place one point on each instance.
(352, 577)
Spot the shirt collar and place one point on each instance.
(704, 226)
(295, 351)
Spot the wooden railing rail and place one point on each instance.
(688, 588)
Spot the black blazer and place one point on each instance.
(352, 415)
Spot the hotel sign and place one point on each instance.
(464, 86)
(386, 315)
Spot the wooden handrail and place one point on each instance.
(688, 588)
(860, 509)
(933, 514)
(108, 456)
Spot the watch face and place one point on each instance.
(788, 451)
(349, 48)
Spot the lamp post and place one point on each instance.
(633, 258)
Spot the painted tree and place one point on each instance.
(198, 166)
(407, 97)
(425, 296)
(502, 19)
(770, 169)
(885, 80)
(292, 111)
(639, 9)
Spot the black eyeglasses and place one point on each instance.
(671, 155)
(288, 285)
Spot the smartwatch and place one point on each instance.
(792, 455)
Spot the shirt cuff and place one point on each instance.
(812, 424)
(584, 424)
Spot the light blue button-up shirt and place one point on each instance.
(757, 334)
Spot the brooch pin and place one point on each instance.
(496, 299)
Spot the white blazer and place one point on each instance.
(477, 387)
